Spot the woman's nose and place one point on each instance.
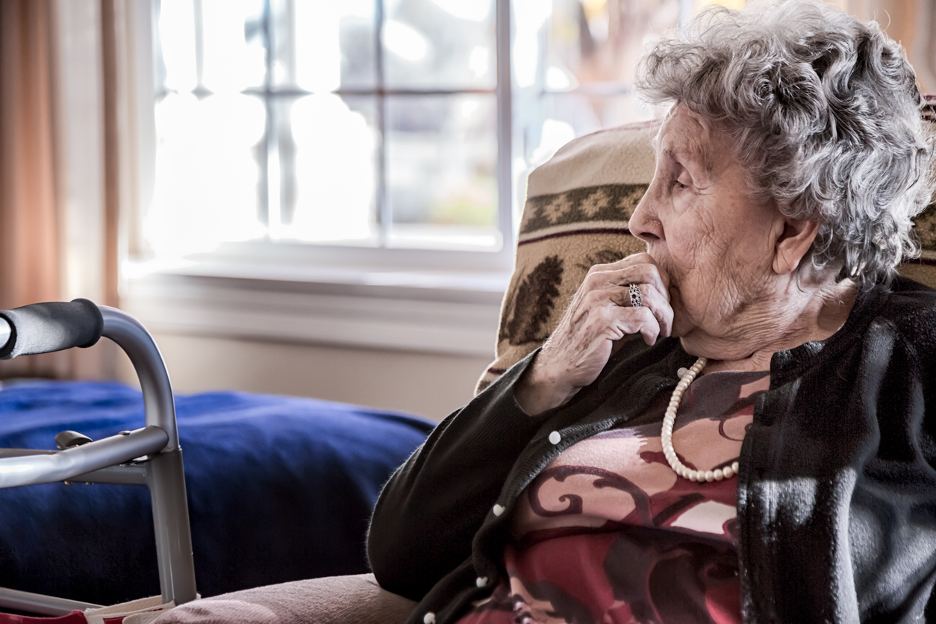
(644, 223)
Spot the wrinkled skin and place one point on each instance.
(720, 273)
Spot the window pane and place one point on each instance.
(327, 158)
(599, 41)
(233, 43)
(440, 44)
(324, 45)
(176, 28)
(551, 120)
(208, 173)
(441, 171)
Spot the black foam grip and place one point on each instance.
(47, 327)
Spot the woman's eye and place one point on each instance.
(679, 185)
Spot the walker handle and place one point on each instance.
(47, 327)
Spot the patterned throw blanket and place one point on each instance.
(608, 533)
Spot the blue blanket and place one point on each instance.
(279, 489)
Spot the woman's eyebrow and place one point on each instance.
(699, 162)
(682, 157)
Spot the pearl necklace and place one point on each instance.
(669, 419)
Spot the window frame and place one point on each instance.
(384, 298)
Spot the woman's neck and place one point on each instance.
(785, 321)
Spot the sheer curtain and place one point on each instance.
(49, 233)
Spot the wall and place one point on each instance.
(431, 385)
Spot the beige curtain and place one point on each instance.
(28, 224)
(32, 260)
(29, 228)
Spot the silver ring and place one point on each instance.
(635, 296)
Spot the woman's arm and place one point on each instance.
(429, 511)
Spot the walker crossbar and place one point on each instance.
(147, 456)
(64, 465)
(43, 605)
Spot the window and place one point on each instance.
(377, 124)
(353, 171)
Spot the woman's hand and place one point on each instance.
(599, 315)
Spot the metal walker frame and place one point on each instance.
(108, 461)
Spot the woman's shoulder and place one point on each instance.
(911, 308)
(907, 299)
(905, 285)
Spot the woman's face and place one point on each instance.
(714, 243)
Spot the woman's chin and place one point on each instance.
(682, 327)
(700, 344)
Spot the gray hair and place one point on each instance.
(826, 116)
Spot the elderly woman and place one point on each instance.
(738, 424)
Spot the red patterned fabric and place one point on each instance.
(75, 617)
(608, 533)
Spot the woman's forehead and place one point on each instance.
(683, 132)
(688, 137)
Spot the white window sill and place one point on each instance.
(439, 311)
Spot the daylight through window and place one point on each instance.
(377, 123)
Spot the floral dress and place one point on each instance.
(607, 533)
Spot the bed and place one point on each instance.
(279, 488)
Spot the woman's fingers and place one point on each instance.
(639, 268)
(601, 313)
(581, 344)
(617, 319)
(613, 287)
(645, 323)
(646, 275)
(651, 299)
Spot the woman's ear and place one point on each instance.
(792, 244)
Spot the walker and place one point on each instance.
(147, 456)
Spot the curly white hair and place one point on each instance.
(826, 116)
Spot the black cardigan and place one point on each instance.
(836, 493)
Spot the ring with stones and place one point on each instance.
(635, 296)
